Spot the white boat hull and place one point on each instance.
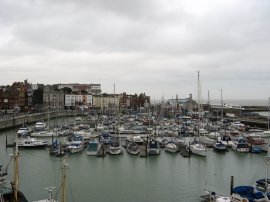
(115, 150)
(198, 149)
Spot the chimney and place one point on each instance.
(190, 96)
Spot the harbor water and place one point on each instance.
(163, 178)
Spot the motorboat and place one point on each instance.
(226, 140)
(240, 145)
(93, 147)
(29, 142)
(23, 131)
(76, 144)
(219, 147)
(40, 125)
(153, 147)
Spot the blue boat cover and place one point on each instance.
(248, 192)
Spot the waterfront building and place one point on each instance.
(53, 98)
(134, 101)
(72, 100)
(187, 104)
(93, 89)
(13, 96)
(106, 101)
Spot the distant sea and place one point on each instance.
(243, 102)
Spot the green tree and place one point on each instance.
(67, 90)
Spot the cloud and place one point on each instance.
(154, 46)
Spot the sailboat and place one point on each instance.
(10, 191)
(115, 147)
(196, 147)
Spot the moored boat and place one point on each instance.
(153, 147)
(171, 147)
(29, 142)
(240, 145)
(93, 147)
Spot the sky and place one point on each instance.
(154, 47)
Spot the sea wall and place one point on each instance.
(17, 120)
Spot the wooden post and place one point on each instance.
(232, 182)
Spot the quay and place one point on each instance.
(259, 122)
(16, 120)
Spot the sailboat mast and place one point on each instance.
(268, 111)
(221, 105)
(199, 103)
(16, 171)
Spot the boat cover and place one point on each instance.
(248, 192)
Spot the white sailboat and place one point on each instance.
(197, 147)
(116, 147)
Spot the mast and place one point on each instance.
(64, 167)
(221, 105)
(199, 102)
(16, 171)
(268, 117)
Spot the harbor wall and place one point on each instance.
(17, 120)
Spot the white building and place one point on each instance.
(76, 100)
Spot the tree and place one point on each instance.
(67, 90)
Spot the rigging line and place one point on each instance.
(56, 194)
(6, 168)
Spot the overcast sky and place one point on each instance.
(151, 46)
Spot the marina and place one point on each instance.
(167, 176)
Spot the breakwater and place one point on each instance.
(16, 120)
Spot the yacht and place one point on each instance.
(40, 125)
(93, 147)
(31, 143)
(153, 147)
(76, 144)
(23, 131)
(240, 145)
